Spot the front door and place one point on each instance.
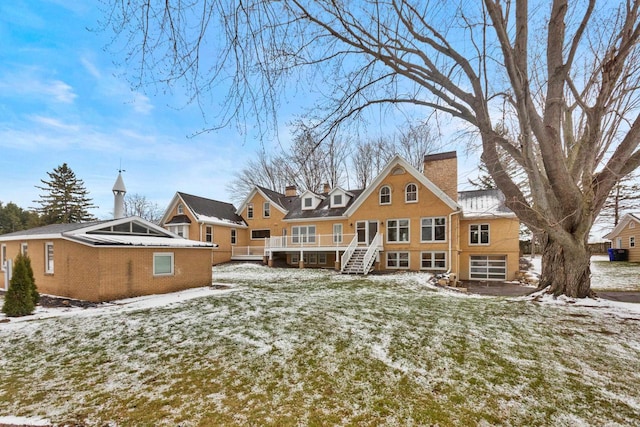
(366, 231)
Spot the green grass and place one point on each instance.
(615, 276)
(286, 348)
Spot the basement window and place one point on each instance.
(163, 264)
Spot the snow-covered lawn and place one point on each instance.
(311, 347)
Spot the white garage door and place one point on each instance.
(488, 267)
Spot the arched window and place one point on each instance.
(411, 193)
(385, 195)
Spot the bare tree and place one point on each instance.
(138, 205)
(565, 74)
(266, 171)
(624, 198)
(415, 141)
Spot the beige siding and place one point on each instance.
(630, 230)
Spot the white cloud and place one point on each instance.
(26, 84)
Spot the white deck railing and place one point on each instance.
(307, 241)
(372, 251)
(247, 251)
(348, 252)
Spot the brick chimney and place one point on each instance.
(442, 170)
(291, 191)
(326, 187)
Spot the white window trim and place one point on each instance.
(396, 242)
(433, 228)
(619, 243)
(170, 254)
(398, 253)
(24, 248)
(295, 258)
(337, 234)
(296, 238)
(3, 258)
(406, 193)
(250, 211)
(266, 210)
(259, 229)
(632, 241)
(433, 259)
(49, 264)
(380, 195)
(234, 236)
(480, 235)
(180, 209)
(322, 258)
(207, 233)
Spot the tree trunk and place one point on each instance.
(565, 268)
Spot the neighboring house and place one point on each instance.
(107, 260)
(404, 220)
(626, 235)
(206, 220)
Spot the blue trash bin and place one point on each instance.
(612, 254)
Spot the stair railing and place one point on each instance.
(346, 256)
(372, 251)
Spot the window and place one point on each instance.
(632, 224)
(180, 230)
(24, 249)
(260, 234)
(250, 210)
(322, 258)
(479, 234)
(234, 236)
(411, 193)
(619, 243)
(308, 202)
(397, 230)
(488, 267)
(433, 261)
(163, 264)
(433, 229)
(337, 199)
(295, 259)
(303, 234)
(208, 233)
(266, 209)
(180, 209)
(385, 195)
(48, 258)
(397, 259)
(311, 258)
(337, 233)
(3, 259)
(632, 242)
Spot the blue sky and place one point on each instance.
(62, 101)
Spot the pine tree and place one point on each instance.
(35, 295)
(19, 298)
(65, 199)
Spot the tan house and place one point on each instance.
(625, 236)
(206, 220)
(404, 220)
(107, 260)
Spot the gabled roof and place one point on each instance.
(207, 211)
(323, 210)
(483, 204)
(399, 161)
(129, 231)
(626, 219)
(278, 200)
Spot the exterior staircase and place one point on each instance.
(356, 263)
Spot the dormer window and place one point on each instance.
(385, 195)
(337, 200)
(411, 193)
(180, 209)
(308, 202)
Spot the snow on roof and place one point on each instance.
(133, 240)
(483, 203)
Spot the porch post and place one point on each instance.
(337, 262)
(301, 262)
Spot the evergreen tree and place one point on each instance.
(14, 218)
(35, 295)
(19, 298)
(65, 199)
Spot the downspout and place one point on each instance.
(451, 238)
